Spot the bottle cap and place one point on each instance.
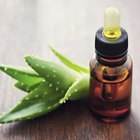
(111, 41)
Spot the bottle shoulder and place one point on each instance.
(100, 71)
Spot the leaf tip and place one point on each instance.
(28, 58)
(50, 46)
(3, 67)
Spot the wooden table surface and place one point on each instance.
(27, 27)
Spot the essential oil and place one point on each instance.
(111, 71)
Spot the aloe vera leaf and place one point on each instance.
(56, 74)
(40, 101)
(22, 86)
(25, 87)
(69, 63)
(78, 90)
(22, 74)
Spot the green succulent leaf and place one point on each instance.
(78, 90)
(48, 84)
(40, 101)
(55, 74)
(69, 63)
(25, 75)
(26, 87)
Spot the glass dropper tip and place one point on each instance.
(112, 28)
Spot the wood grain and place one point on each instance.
(27, 27)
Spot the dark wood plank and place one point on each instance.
(26, 27)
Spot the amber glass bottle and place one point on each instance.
(111, 77)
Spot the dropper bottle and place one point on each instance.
(111, 71)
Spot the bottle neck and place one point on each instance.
(111, 62)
